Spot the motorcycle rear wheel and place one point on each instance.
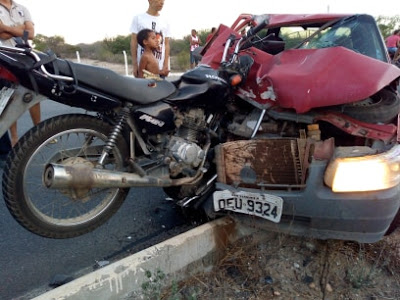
(57, 213)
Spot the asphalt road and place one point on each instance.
(28, 263)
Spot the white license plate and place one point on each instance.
(256, 204)
(5, 96)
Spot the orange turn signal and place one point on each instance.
(235, 80)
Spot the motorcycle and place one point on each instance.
(71, 173)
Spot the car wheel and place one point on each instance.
(382, 107)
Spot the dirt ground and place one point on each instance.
(119, 68)
(277, 266)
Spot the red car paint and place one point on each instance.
(303, 79)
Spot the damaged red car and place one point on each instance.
(320, 153)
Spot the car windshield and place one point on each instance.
(358, 33)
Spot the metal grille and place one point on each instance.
(256, 163)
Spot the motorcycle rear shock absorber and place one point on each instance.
(115, 132)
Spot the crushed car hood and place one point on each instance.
(324, 77)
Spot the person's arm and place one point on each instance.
(17, 31)
(142, 66)
(5, 33)
(31, 29)
(134, 47)
(165, 70)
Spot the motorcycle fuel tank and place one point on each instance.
(201, 84)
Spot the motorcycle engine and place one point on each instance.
(185, 155)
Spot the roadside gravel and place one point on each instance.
(269, 265)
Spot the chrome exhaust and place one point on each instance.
(85, 176)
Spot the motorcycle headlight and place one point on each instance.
(364, 173)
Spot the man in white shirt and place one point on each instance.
(151, 19)
(15, 19)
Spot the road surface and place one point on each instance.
(29, 262)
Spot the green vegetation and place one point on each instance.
(152, 288)
(111, 49)
(54, 43)
(388, 24)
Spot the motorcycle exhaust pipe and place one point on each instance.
(84, 176)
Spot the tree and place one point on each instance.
(118, 44)
(388, 24)
(54, 43)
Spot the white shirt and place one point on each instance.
(194, 39)
(160, 27)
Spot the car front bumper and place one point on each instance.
(317, 212)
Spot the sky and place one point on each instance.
(88, 21)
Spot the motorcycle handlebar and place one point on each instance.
(231, 39)
(252, 31)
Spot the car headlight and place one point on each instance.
(364, 173)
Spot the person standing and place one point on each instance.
(151, 19)
(148, 65)
(195, 42)
(15, 19)
(211, 34)
(393, 42)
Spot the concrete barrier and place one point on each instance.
(177, 258)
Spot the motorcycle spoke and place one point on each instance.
(61, 206)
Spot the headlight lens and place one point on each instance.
(364, 173)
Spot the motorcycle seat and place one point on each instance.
(99, 79)
(136, 90)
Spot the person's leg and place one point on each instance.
(14, 134)
(5, 145)
(5, 148)
(396, 55)
(35, 113)
(391, 52)
(191, 60)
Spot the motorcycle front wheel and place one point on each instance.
(69, 212)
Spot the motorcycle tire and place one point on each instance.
(66, 213)
(382, 107)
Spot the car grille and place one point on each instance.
(273, 163)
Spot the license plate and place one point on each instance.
(5, 96)
(256, 204)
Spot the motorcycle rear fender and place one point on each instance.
(86, 98)
(76, 95)
(17, 106)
